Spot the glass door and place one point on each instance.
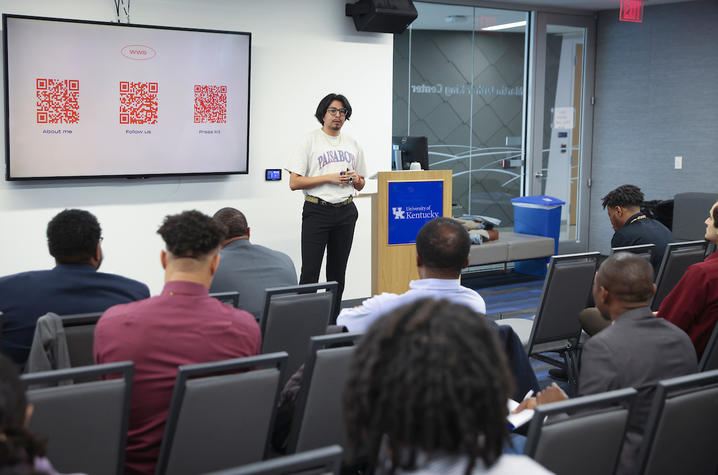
(562, 120)
(459, 80)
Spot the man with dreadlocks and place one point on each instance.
(431, 377)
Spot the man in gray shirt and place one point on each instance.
(248, 268)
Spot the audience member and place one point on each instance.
(693, 303)
(183, 325)
(442, 247)
(636, 350)
(73, 286)
(431, 380)
(249, 268)
(631, 226)
(21, 452)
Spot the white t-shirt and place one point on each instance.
(320, 154)
(505, 465)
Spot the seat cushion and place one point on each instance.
(489, 252)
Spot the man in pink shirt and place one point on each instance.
(183, 325)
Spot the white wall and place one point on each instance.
(301, 50)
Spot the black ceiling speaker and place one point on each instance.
(383, 16)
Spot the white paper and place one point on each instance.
(519, 419)
(563, 118)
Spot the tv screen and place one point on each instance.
(89, 99)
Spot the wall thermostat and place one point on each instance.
(273, 174)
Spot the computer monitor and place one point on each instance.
(406, 150)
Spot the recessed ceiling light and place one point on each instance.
(504, 26)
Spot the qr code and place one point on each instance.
(210, 104)
(57, 101)
(138, 102)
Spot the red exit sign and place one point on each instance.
(631, 10)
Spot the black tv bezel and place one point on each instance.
(6, 93)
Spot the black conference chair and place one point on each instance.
(555, 327)
(327, 460)
(709, 359)
(681, 435)
(80, 337)
(230, 298)
(642, 250)
(294, 314)
(319, 415)
(589, 428)
(85, 423)
(219, 418)
(689, 214)
(679, 256)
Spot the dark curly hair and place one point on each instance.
(626, 196)
(326, 101)
(432, 377)
(191, 234)
(233, 220)
(443, 243)
(18, 447)
(73, 235)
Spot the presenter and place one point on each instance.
(328, 166)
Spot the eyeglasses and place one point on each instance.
(334, 111)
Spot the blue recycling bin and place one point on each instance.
(540, 216)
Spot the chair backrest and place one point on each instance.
(709, 359)
(219, 418)
(592, 430)
(230, 298)
(681, 435)
(679, 256)
(642, 250)
(294, 314)
(85, 423)
(318, 418)
(689, 214)
(80, 337)
(565, 291)
(327, 460)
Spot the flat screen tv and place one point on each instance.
(89, 99)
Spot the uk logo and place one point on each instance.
(398, 213)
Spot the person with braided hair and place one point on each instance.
(21, 452)
(431, 379)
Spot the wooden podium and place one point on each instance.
(394, 265)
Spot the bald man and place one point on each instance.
(636, 350)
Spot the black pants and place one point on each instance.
(330, 228)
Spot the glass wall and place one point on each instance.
(459, 80)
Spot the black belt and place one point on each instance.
(319, 201)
